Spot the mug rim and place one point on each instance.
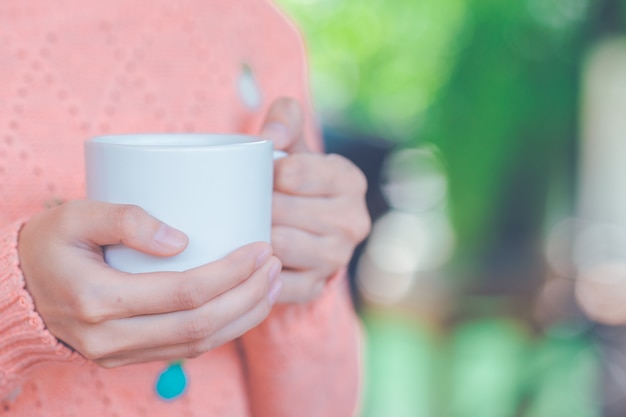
(172, 141)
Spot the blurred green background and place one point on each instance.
(466, 117)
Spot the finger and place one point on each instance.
(189, 326)
(318, 175)
(301, 286)
(314, 215)
(300, 250)
(284, 126)
(119, 295)
(105, 224)
(322, 216)
(230, 332)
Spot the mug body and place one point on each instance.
(216, 188)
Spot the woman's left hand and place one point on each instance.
(319, 212)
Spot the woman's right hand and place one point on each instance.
(116, 318)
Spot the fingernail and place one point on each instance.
(277, 133)
(274, 271)
(263, 257)
(275, 291)
(275, 283)
(170, 238)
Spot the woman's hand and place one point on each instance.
(319, 212)
(115, 318)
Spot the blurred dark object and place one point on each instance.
(367, 153)
(611, 341)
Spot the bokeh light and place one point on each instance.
(413, 180)
(415, 235)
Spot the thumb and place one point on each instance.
(107, 224)
(284, 126)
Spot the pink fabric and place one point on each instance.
(70, 69)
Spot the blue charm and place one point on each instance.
(172, 382)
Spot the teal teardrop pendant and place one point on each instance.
(172, 382)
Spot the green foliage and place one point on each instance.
(506, 121)
(489, 355)
(377, 65)
(490, 367)
(401, 362)
(492, 83)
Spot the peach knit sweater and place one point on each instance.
(70, 69)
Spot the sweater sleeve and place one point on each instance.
(24, 341)
(305, 359)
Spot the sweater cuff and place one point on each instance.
(24, 340)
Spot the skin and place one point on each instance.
(319, 213)
(115, 318)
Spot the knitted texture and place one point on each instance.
(71, 69)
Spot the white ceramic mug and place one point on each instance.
(216, 188)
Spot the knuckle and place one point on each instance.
(335, 258)
(283, 206)
(363, 225)
(67, 213)
(337, 161)
(240, 266)
(198, 348)
(199, 327)
(339, 164)
(347, 172)
(108, 363)
(86, 308)
(359, 181)
(356, 222)
(282, 245)
(126, 218)
(261, 288)
(187, 296)
(91, 348)
(293, 109)
(278, 202)
(294, 174)
(337, 255)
